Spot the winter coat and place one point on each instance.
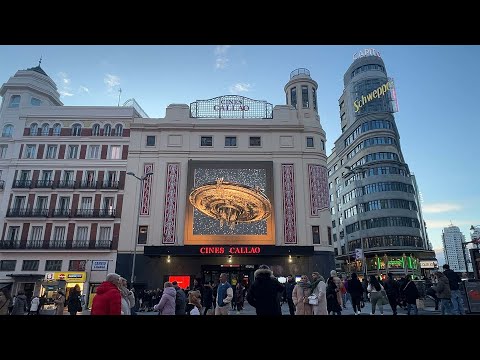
(453, 279)
(167, 303)
(4, 304)
(355, 288)
(289, 285)
(208, 299)
(20, 305)
(74, 302)
(392, 289)
(332, 298)
(239, 295)
(263, 294)
(443, 287)
(411, 292)
(180, 301)
(299, 297)
(34, 304)
(125, 306)
(108, 300)
(320, 292)
(60, 302)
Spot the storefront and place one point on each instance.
(185, 263)
(65, 280)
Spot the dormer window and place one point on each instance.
(14, 101)
(35, 101)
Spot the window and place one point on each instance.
(293, 97)
(35, 101)
(323, 145)
(3, 151)
(314, 92)
(104, 233)
(119, 130)
(77, 265)
(56, 129)
(45, 129)
(335, 167)
(30, 151)
(255, 141)
(142, 234)
(14, 101)
(316, 234)
(305, 96)
(68, 176)
(8, 265)
(82, 233)
(107, 129)
(96, 130)
(72, 152)
(7, 131)
(37, 233)
(108, 206)
(230, 141)
(90, 178)
(51, 152)
(309, 142)
(330, 185)
(30, 265)
(333, 223)
(76, 129)
(93, 152)
(206, 141)
(85, 205)
(13, 233)
(115, 152)
(33, 129)
(329, 235)
(53, 265)
(59, 233)
(150, 140)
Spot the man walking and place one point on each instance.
(456, 296)
(224, 296)
(289, 290)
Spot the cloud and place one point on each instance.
(239, 88)
(65, 93)
(440, 224)
(111, 81)
(440, 208)
(83, 89)
(221, 59)
(440, 256)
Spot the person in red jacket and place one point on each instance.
(108, 299)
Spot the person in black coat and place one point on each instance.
(208, 296)
(332, 300)
(290, 284)
(393, 293)
(74, 301)
(263, 293)
(355, 289)
(410, 292)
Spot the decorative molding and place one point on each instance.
(146, 190)
(318, 179)
(289, 208)
(171, 203)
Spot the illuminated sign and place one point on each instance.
(182, 280)
(375, 94)
(232, 107)
(366, 52)
(212, 250)
(68, 276)
(428, 264)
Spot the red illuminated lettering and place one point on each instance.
(203, 250)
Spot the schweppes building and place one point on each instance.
(235, 183)
(377, 220)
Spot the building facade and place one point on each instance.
(454, 250)
(63, 173)
(376, 215)
(264, 160)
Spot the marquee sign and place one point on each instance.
(231, 107)
(225, 250)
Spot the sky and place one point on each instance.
(437, 88)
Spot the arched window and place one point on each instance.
(45, 128)
(119, 130)
(107, 130)
(7, 131)
(33, 129)
(76, 129)
(96, 130)
(56, 129)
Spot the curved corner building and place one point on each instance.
(373, 198)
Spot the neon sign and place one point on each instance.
(375, 94)
(366, 52)
(212, 250)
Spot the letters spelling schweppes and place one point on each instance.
(375, 94)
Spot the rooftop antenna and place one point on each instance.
(119, 93)
(40, 61)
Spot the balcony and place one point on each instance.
(65, 184)
(86, 185)
(22, 184)
(94, 213)
(60, 213)
(56, 244)
(108, 185)
(15, 212)
(44, 184)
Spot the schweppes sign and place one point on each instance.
(375, 94)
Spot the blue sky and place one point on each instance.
(437, 89)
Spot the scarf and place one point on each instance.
(314, 284)
(304, 285)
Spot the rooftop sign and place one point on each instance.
(231, 107)
(366, 52)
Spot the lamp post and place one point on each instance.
(140, 179)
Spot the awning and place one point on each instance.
(27, 275)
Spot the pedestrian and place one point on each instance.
(355, 290)
(333, 304)
(264, 292)
(289, 290)
(411, 295)
(59, 302)
(108, 300)
(393, 293)
(208, 299)
(319, 292)
(376, 297)
(224, 296)
(20, 305)
(194, 305)
(454, 281)
(167, 303)
(339, 284)
(74, 300)
(180, 299)
(4, 301)
(444, 294)
(239, 298)
(300, 294)
(34, 306)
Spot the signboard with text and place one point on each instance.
(68, 276)
(99, 265)
(428, 264)
(231, 107)
(225, 250)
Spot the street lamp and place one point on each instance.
(140, 179)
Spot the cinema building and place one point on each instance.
(377, 221)
(62, 175)
(234, 183)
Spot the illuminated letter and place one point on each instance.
(369, 97)
(202, 250)
(257, 250)
(375, 94)
(357, 106)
